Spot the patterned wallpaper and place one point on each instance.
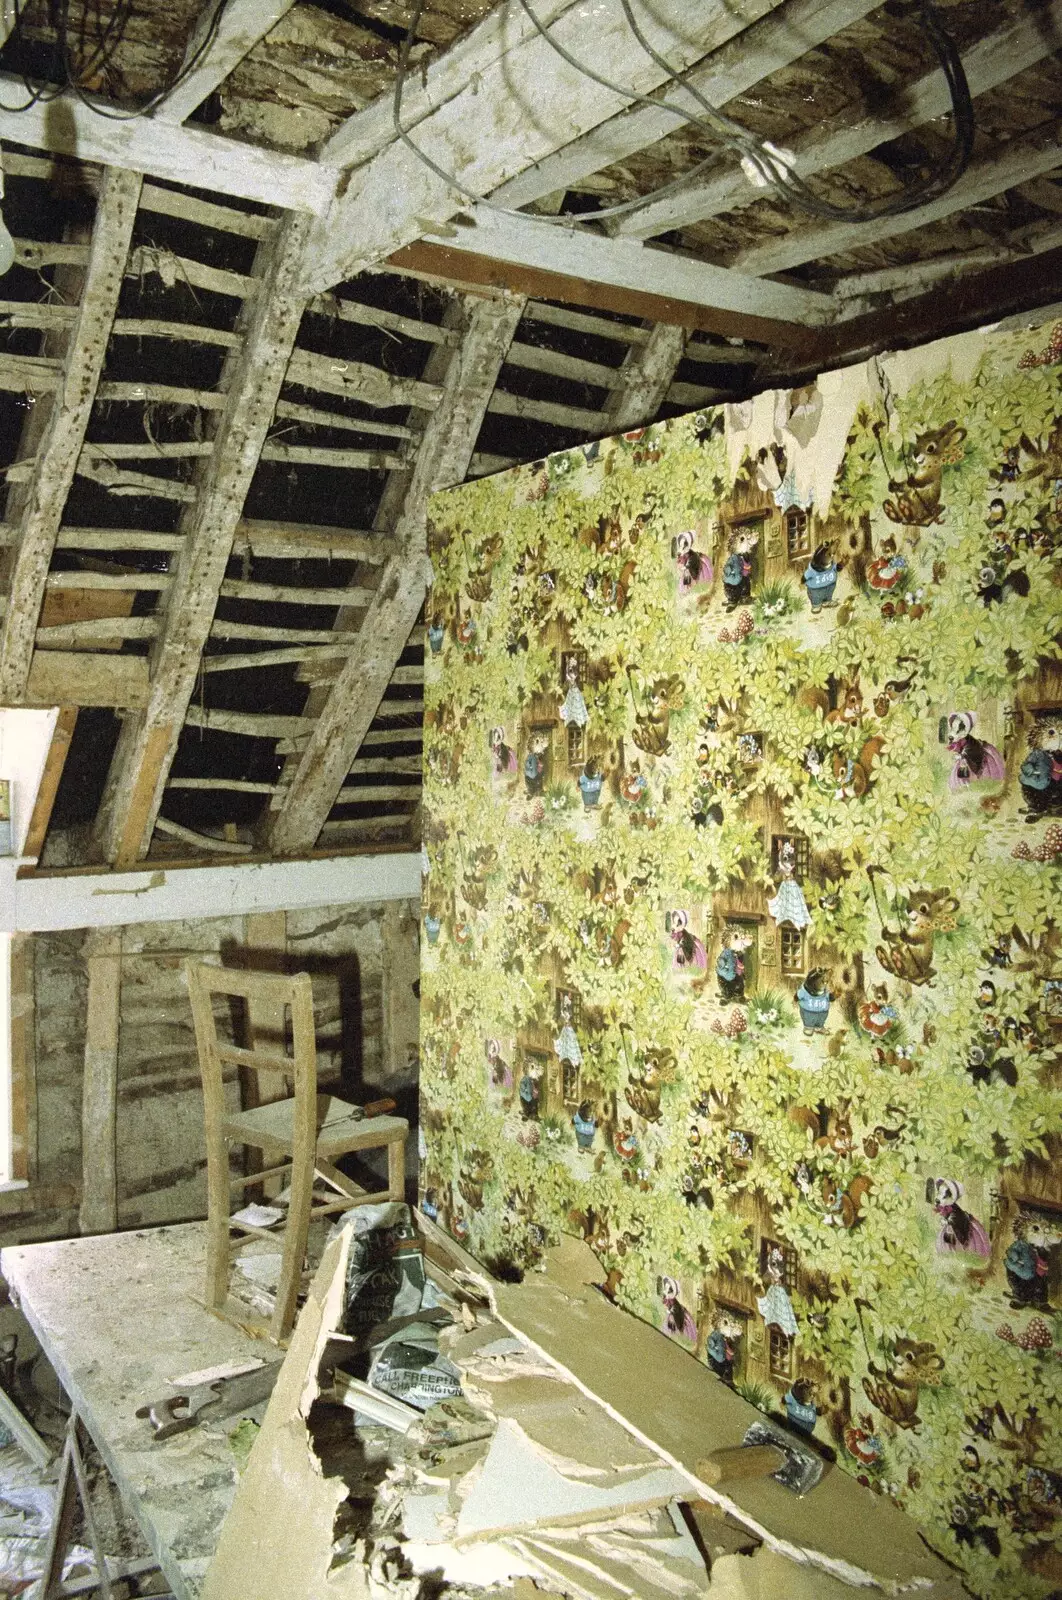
(741, 952)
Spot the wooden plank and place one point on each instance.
(536, 358)
(78, 678)
(149, 259)
(357, 380)
(486, 134)
(533, 258)
(255, 724)
(41, 500)
(356, 696)
(202, 841)
(299, 539)
(577, 419)
(94, 632)
(48, 787)
(916, 277)
(1019, 160)
(68, 126)
(334, 306)
(367, 132)
(648, 373)
(240, 26)
(353, 794)
(147, 744)
(266, 934)
(223, 785)
(968, 302)
(766, 47)
(193, 208)
(1020, 44)
(281, 594)
(159, 328)
(582, 322)
(99, 1103)
(315, 455)
(23, 1049)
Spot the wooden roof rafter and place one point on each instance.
(148, 741)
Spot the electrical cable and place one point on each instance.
(770, 165)
(72, 78)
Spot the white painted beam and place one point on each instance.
(241, 25)
(367, 132)
(357, 692)
(769, 45)
(66, 126)
(1024, 41)
(45, 903)
(628, 264)
(511, 114)
(251, 384)
(1019, 161)
(646, 376)
(42, 499)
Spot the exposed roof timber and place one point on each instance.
(356, 695)
(367, 132)
(66, 126)
(915, 277)
(241, 25)
(80, 678)
(1019, 160)
(1023, 42)
(148, 742)
(769, 45)
(48, 788)
(646, 376)
(536, 257)
(42, 499)
(967, 302)
(509, 114)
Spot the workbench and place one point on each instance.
(116, 1317)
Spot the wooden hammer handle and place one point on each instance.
(740, 1461)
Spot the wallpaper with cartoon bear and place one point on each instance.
(742, 946)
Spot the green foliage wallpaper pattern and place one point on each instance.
(742, 947)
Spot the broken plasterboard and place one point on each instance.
(677, 1407)
(517, 1489)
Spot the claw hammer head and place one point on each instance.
(169, 1416)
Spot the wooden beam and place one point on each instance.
(358, 380)
(48, 787)
(1017, 161)
(23, 1058)
(766, 47)
(241, 25)
(507, 115)
(148, 742)
(78, 678)
(968, 302)
(99, 1092)
(648, 373)
(916, 277)
(67, 126)
(42, 499)
(535, 257)
(1025, 40)
(446, 449)
(367, 132)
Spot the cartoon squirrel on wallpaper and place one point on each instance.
(652, 718)
(908, 949)
(893, 1388)
(917, 497)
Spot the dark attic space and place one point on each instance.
(530, 799)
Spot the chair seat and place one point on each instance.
(339, 1127)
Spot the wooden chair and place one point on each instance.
(303, 1134)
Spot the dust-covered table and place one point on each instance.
(117, 1317)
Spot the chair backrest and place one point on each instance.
(272, 991)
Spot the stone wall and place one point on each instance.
(364, 964)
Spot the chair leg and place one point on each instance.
(218, 1198)
(296, 1233)
(396, 1169)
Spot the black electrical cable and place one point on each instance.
(794, 188)
(72, 78)
(772, 167)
